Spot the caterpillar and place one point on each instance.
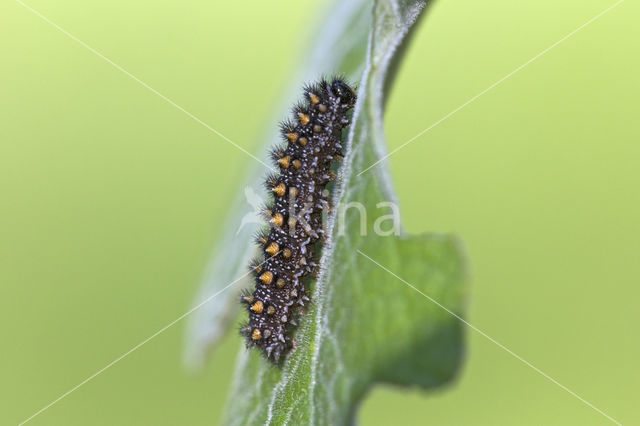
(300, 198)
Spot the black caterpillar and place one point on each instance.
(314, 142)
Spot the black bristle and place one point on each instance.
(287, 126)
(259, 235)
(271, 180)
(299, 107)
(256, 262)
(277, 153)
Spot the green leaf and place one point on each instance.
(385, 309)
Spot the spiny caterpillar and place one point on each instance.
(314, 142)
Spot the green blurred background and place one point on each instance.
(111, 199)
